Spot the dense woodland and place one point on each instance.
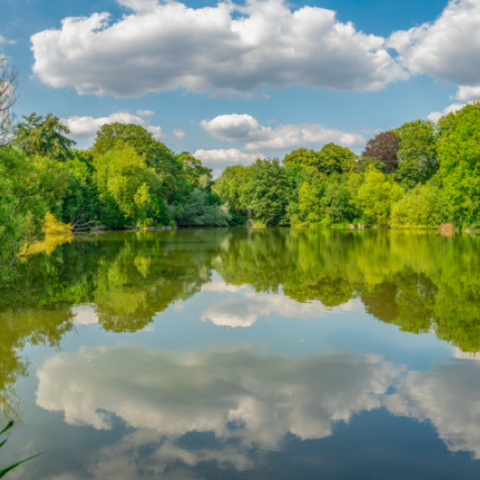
(419, 175)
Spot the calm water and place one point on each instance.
(237, 354)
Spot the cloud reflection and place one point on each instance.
(240, 395)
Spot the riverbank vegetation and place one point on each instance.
(419, 175)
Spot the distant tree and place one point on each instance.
(8, 97)
(377, 195)
(459, 156)
(330, 159)
(301, 156)
(417, 155)
(384, 147)
(124, 177)
(44, 136)
(335, 159)
(364, 164)
(268, 191)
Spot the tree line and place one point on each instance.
(419, 175)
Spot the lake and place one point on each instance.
(245, 354)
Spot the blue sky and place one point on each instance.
(230, 82)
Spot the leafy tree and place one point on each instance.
(384, 147)
(339, 203)
(330, 159)
(43, 136)
(364, 164)
(268, 191)
(124, 177)
(377, 195)
(156, 154)
(81, 203)
(417, 155)
(301, 156)
(335, 159)
(423, 206)
(199, 211)
(459, 156)
(232, 185)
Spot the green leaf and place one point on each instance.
(4, 471)
(3, 443)
(10, 425)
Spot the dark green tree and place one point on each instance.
(43, 136)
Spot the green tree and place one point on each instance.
(459, 156)
(301, 156)
(417, 155)
(124, 177)
(43, 136)
(156, 154)
(268, 191)
(335, 159)
(423, 206)
(377, 195)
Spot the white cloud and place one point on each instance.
(4, 40)
(245, 307)
(221, 157)
(170, 394)
(86, 127)
(145, 113)
(448, 398)
(435, 116)
(447, 49)
(227, 49)
(245, 129)
(180, 134)
(84, 315)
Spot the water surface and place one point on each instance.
(240, 354)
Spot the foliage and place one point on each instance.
(384, 147)
(124, 177)
(459, 156)
(417, 155)
(43, 136)
(267, 191)
(377, 195)
(200, 211)
(423, 206)
(330, 159)
(156, 154)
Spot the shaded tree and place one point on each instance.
(44, 136)
(384, 147)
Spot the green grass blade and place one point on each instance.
(4, 471)
(10, 425)
(3, 443)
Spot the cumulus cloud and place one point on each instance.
(448, 398)
(436, 116)
(171, 393)
(245, 307)
(227, 49)
(447, 48)
(221, 157)
(245, 129)
(86, 127)
(145, 113)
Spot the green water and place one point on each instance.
(236, 353)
